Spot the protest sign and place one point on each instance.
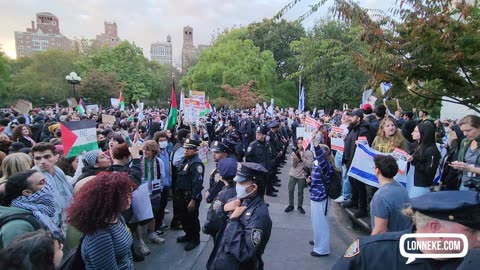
(22, 106)
(362, 165)
(336, 139)
(203, 154)
(312, 124)
(300, 132)
(141, 205)
(115, 102)
(72, 102)
(108, 119)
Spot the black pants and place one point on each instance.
(189, 219)
(359, 193)
(161, 211)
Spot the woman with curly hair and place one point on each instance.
(96, 212)
(23, 134)
(39, 250)
(389, 137)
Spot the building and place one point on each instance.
(44, 36)
(189, 52)
(162, 51)
(110, 37)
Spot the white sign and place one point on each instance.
(336, 139)
(141, 205)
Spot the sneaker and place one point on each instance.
(156, 239)
(191, 245)
(143, 249)
(301, 210)
(166, 212)
(164, 227)
(340, 199)
(288, 209)
(137, 256)
(160, 233)
(314, 254)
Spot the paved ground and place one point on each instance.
(288, 247)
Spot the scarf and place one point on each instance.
(42, 205)
(30, 140)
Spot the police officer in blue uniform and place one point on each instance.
(242, 240)
(260, 151)
(187, 196)
(435, 212)
(225, 169)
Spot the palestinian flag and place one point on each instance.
(121, 102)
(80, 108)
(172, 115)
(208, 108)
(78, 136)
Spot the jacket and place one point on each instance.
(13, 228)
(361, 129)
(426, 165)
(242, 241)
(322, 172)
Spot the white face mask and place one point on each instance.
(163, 144)
(242, 191)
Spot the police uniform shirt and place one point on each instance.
(216, 216)
(190, 176)
(382, 251)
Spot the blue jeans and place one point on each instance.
(346, 186)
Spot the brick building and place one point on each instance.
(110, 36)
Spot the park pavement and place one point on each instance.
(288, 247)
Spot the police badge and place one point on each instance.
(256, 237)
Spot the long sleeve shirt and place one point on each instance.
(322, 171)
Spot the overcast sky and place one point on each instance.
(147, 21)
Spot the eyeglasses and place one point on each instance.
(38, 158)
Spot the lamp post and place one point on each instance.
(73, 79)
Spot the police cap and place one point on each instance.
(227, 168)
(273, 124)
(191, 144)
(230, 144)
(235, 135)
(248, 170)
(262, 129)
(220, 147)
(456, 206)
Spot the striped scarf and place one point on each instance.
(42, 205)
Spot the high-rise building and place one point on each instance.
(41, 38)
(189, 52)
(162, 51)
(110, 37)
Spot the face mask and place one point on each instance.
(163, 144)
(242, 191)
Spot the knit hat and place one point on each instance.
(90, 158)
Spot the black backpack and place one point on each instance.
(28, 217)
(334, 189)
(73, 259)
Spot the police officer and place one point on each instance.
(241, 242)
(225, 169)
(435, 212)
(275, 140)
(188, 194)
(260, 151)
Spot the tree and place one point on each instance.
(331, 78)
(242, 96)
(233, 62)
(42, 77)
(97, 87)
(4, 74)
(428, 49)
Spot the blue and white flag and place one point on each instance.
(270, 108)
(362, 165)
(301, 100)
(366, 95)
(385, 87)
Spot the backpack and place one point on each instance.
(28, 217)
(73, 259)
(334, 188)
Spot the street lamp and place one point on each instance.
(73, 79)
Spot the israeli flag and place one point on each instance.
(301, 100)
(366, 95)
(270, 108)
(385, 87)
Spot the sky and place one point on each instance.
(146, 21)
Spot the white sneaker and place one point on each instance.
(340, 199)
(156, 239)
(167, 211)
(143, 249)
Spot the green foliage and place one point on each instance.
(41, 76)
(98, 87)
(4, 74)
(329, 76)
(234, 62)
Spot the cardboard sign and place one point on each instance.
(22, 106)
(72, 103)
(108, 119)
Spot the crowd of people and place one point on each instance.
(86, 205)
